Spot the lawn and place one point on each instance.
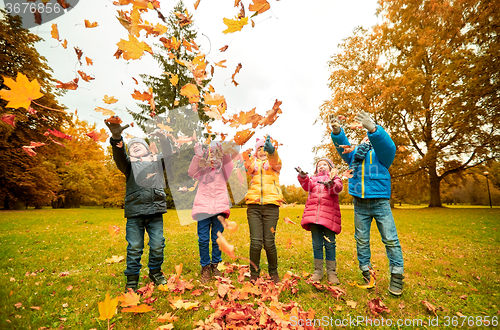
(54, 270)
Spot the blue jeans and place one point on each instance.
(318, 233)
(207, 229)
(365, 210)
(136, 226)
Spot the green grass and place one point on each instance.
(451, 260)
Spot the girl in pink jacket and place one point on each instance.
(322, 215)
(211, 204)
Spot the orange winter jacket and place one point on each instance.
(265, 186)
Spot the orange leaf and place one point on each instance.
(107, 308)
(178, 270)
(355, 125)
(242, 137)
(288, 243)
(234, 25)
(105, 112)
(232, 226)
(129, 299)
(429, 306)
(196, 4)
(133, 49)
(65, 44)
(114, 120)
(191, 92)
(164, 127)
(79, 53)
(101, 136)
(90, 25)
(167, 317)
(109, 99)
(138, 309)
(259, 6)
(287, 220)
(214, 99)
(89, 61)
(84, 76)
(224, 246)
(54, 33)
(221, 64)
(174, 80)
(223, 49)
(73, 84)
(244, 118)
(144, 96)
(238, 68)
(21, 93)
(114, 230)
(271, 115)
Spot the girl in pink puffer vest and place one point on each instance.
(211, 204)
(322, 215)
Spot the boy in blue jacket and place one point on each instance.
(145, 202)
(370, 187)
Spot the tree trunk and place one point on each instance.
(6, 203)
(435, 185)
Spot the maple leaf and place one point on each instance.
(259, 6)
(178, 303)
(59, 134)
(183, 19)
(287, 220)
(54, 33)
(101, 136)
(9, 119)
(29, 150)
(377, 306)
(174, 80)
(129, 299)
(132, 49)
(22, 91)
(241, 137)
(104, 111)
(79, 54)
(72, 85)
(234, 25)
(107, 308)
(191, 92)
(89, 61)
(144, 96)
(271, 115)
(114, 259)
(109, 100)
(224, 246)
(167, 317)
(214, 99)
(90, 25)
(221, 64)
(138, 309)
(84, 76)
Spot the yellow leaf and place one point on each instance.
(191, 92)
(104, 111)
(107, 308)
(54, 33)
(109, 99)
(213, 99)
(114, 259)
(234, 25)
(138, 309)
(174, 80)
(133, 49)
(165, 127)
(21, 93)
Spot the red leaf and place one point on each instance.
(9, 119)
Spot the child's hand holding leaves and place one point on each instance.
(301, 173)
(198, 149)
(268, 146)
(115, 128)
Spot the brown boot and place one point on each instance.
(215, 270)
(206, 274)
(331, 267)
(275, 278)
(318, 270)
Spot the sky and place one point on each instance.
(284, 57)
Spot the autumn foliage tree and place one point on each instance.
(429, 73)
(23, 178)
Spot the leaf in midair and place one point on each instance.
(21, 93)
(132, 49)
(107, 308)
(242, 137)
(224, 246)
(54, 32)
(234, 25)
(101, 136)
(223, 49)
(191, 92)
(29, 150)
(89, 61)
(271, 115)
(79, 54)
(259, 6)
(238, 68)
(65, 44)
(88, 24)
(72, 85)
(104, 111)
(109, 100)
(84, 76)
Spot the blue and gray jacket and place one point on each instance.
(371, 179)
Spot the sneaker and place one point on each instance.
(215, 270)
(132, 283)
(275, 277)
(157, 277)
(396, 285)
(206, 274)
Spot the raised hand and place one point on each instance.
(268, 146)
(335, 123)
(364, 118)
(115, 129)
(198, 149)
(347, 148)
(302, 173)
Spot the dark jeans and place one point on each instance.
(322, 237)
(207, 229)
(262, 221)
(136, 226)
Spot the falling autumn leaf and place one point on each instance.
(242, 137)
(238, 68)
(90, 25)
(221, 64)
(114, 120)
(72, 85)
(287, 220)
(191, 92)
(213, 99)
(104, 111)
(223, 49)
(79, 54)
(89, 61)
(174, 80)
(107, 308)
(132, 49)
(259, 6)
(84, 76)
(9, 119)
(101, 136)
(109, 100)
(22, 91)
(234, 25)
(54, 33)
(65, 44)
(224, 246)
